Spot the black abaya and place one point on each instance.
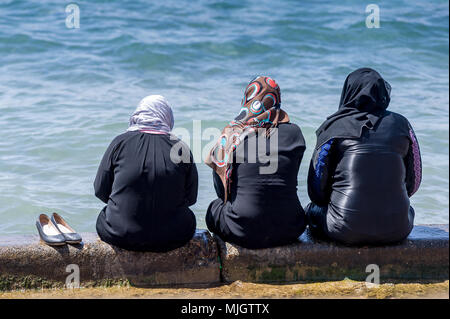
(263, 209)
(147, 194)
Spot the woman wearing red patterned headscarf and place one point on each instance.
(255, 165)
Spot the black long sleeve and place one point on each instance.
(105, 175)
(319, 185)
(191, 183)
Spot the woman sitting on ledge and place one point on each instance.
(147, 193)
(365, 166)
(258, 205)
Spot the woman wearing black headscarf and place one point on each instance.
(365, 166)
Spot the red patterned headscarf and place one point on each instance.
(260, 108)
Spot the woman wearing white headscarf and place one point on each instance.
(147, 192)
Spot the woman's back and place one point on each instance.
(365, 166)
(369, 201)
(264, 209)
(251, 183)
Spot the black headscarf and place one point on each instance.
(364, 99)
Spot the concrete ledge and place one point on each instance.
(26, 263)
(422, 256)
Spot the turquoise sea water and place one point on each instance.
(65, 93)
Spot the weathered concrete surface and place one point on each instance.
(27, 263)
(422, 256)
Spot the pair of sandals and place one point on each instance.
(55, 231)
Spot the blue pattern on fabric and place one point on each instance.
(323, 153)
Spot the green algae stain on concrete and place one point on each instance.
(273, 274)
(108, 283)
(10, 282)
(144, 281)
(302, 273)
(295, 273)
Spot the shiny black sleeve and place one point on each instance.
(105, 175)
(319, 183)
